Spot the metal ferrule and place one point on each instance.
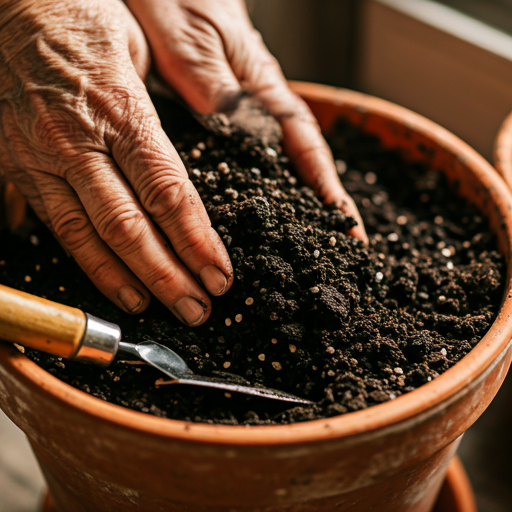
(100, 342)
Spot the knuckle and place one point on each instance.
(122, 229)
(99, 270)
(164, 196)
(128, 109)
(162, 278)
(73, 228)
(193, 242)
(121, 104)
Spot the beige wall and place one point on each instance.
(310, 38)
(463, 86)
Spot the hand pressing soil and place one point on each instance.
(312, 311)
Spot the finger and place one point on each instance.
(302, 138)
(189, 53)
(153, 168)
(137, 45)
(66, 218)
(120, 221)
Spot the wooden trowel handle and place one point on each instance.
(39, 323)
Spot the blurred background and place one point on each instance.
(450, 60)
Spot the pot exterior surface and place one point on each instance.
(393, 457)
(456, 493)
(503, 150)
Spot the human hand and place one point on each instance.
(209, 52)
(79, 137)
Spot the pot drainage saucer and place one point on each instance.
(456, 494)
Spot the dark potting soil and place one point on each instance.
(311, 311)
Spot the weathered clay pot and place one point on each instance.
(456, 493)
(503, 150)
(98, 457)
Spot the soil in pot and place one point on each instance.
(312, 311)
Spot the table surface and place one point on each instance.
(485, 451)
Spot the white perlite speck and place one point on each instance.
(379, 276)
(271, 152)
(332, 241)
(195, 153)
(444, 352)
(196, 172)
(446, 252)
(314, 289)
(398, 370)
(449, 265)
(316, 253)
(393, 237)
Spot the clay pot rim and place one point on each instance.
(503, 150)
(397, 414)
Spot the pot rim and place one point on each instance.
(503, 150)
(411, 407)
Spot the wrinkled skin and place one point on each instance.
(81, 141)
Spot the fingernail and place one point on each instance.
(131, 298)
(214, 279)
(191, 310)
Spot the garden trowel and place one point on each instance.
(68, 332)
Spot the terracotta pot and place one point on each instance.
(98, 457)
(456, 493)
(503, 150)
